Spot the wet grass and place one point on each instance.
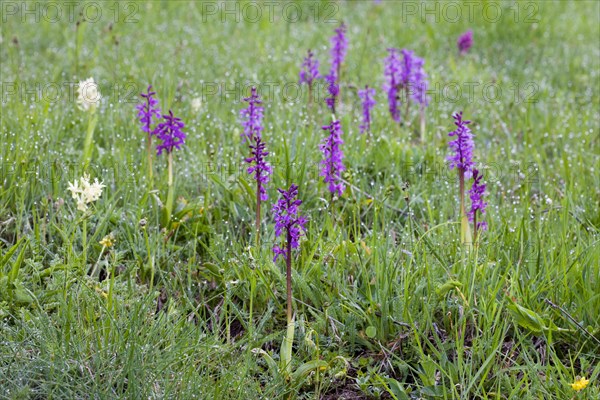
(384, 292)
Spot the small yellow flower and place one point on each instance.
(108, 241)
(580, 383)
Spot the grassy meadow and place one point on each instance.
(389, 304)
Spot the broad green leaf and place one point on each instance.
(303, 370)
(527, 318)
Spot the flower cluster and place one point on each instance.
(288, 220)
(252, 117)
(170, 133)
(88, 95)
(405, 74)
(465, 41)
(310, 71)
(332, 165)
(580, 384)
(476, 195)
(108, 241)
(462, 146)
(367, 95)
(84, 192)
(148, 110)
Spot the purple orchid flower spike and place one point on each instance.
(367, 96)
(309, 74)
(415, 77)
(170, 134)
(462, 159)
(339, 47)
(292, 225)
(260, 169)
(148, 111)
(332, 165)
(252, 117)
(392, 74)
(464, 42)
(334, 90)
(288, 221)
(477, 204)
(462, 146)
(310, 69)
(405, 79)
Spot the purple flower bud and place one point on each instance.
(332, 165)
(170, 133)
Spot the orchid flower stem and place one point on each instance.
(422, 113)
(149, 155)
(475, 227)
(288, 341)
(465, 230)
(170, 192)
(250, 312)
(258, 204)
(288, 275)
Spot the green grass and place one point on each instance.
(384, 294)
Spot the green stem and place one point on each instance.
(170, 193)
(170, 168)
(250, 313)
(149, 155)
(288, 276)
(465, 230)
(475, 226)
(84, 243)
(258, 204)
(422, 124)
